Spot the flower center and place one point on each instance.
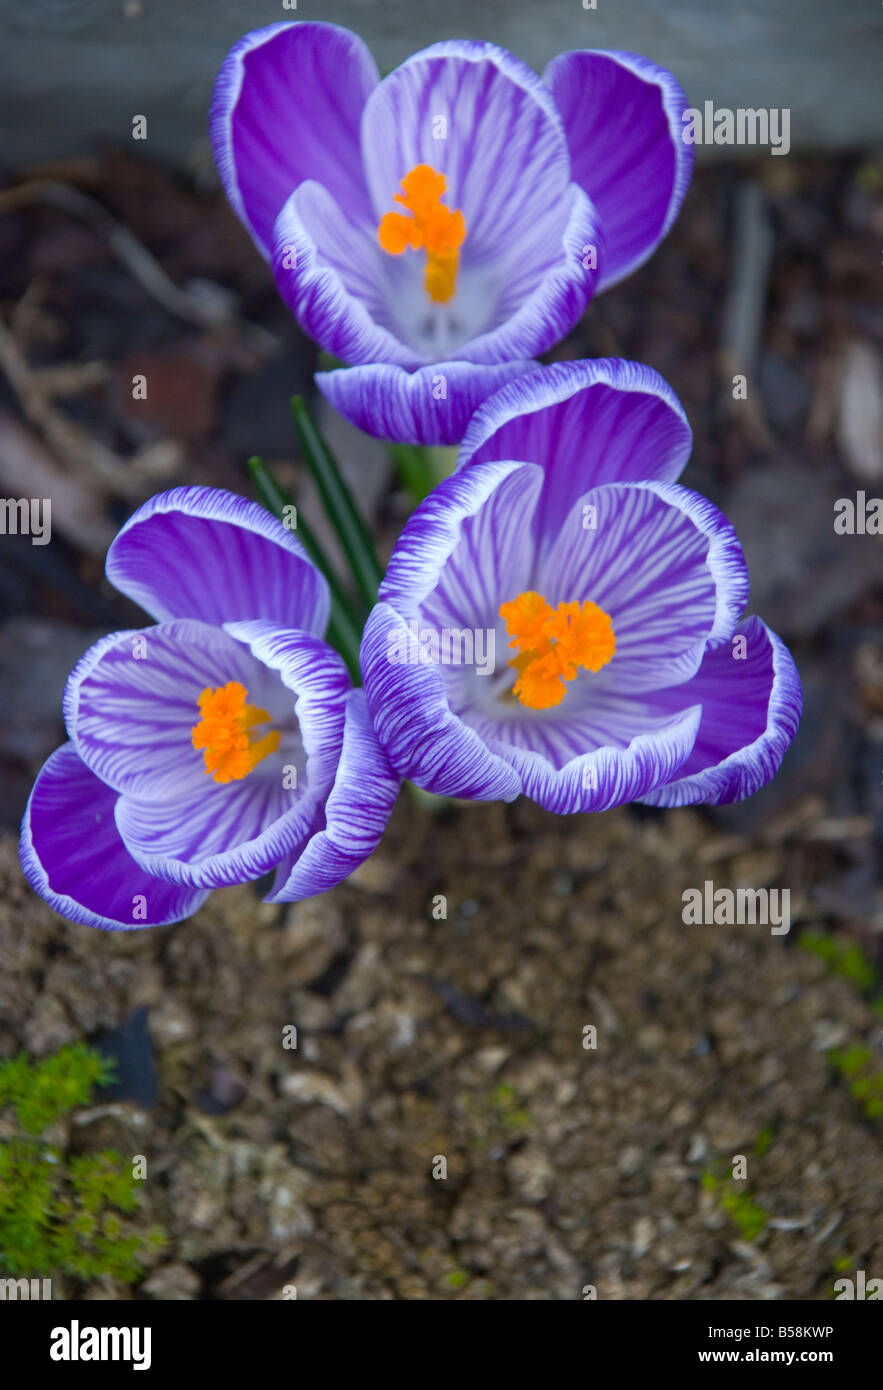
(226, 731)
(431, 227)
(553, 643)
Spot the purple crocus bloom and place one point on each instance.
(221, 743)
(441, 227)
(615, 597)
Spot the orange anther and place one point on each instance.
(432, 227)
(225, 731)
(553, 644)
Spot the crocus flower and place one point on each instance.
(439, 228)
(221, 743)
(612, 598)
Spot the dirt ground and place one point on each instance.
(462, 1037)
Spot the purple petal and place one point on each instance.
(131, 703)
(73, 857)
(234, 832)
(485, 120)
(666, 566)
(609, 775)
(226, 834)
(356, 812)
(433, 531)
(330, 273)
(493, 560)
(317, 676)
(586, 423)
(200, 552)
(502, 147)
(287, 107)
(423, 738)
(751, 708)
(623, 119)
(432, 405)
(530, 323)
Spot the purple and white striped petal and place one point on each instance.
(229, 833)
(588, 422)
(623, 119)
(433, 531)
(201, 552)
(331, 273)
(131, 703)
(423, 739)
(611, 774)
(317, 676)
(751, 702)
(485, 120)
(356, 812)
(478, 115)
(432, 405)
(666, 566)
(532, 315)
(73, 857)
(287, 107)
(494, 558)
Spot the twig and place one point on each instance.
(138, 260)
(743, 312)
(128, 477)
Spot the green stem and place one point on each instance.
(343, 633)
(338, 503)
(413, 470)
(428, 801)
(420, 469)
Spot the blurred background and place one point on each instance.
(270, 1166)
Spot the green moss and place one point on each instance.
(763, 1141)
(748, 1215)
(63, 1212)
(509, 1108)
(854, 1065)
(40, 1093)
(496, 1116)
(734, 1197)
(458, 1278)
(842, 957)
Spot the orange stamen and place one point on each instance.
(226, 733)
(553, 643)
(431, 227)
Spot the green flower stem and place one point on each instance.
(420, 468)
(442, 459)
(428, 802)
(338, 503)
(344, 632)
